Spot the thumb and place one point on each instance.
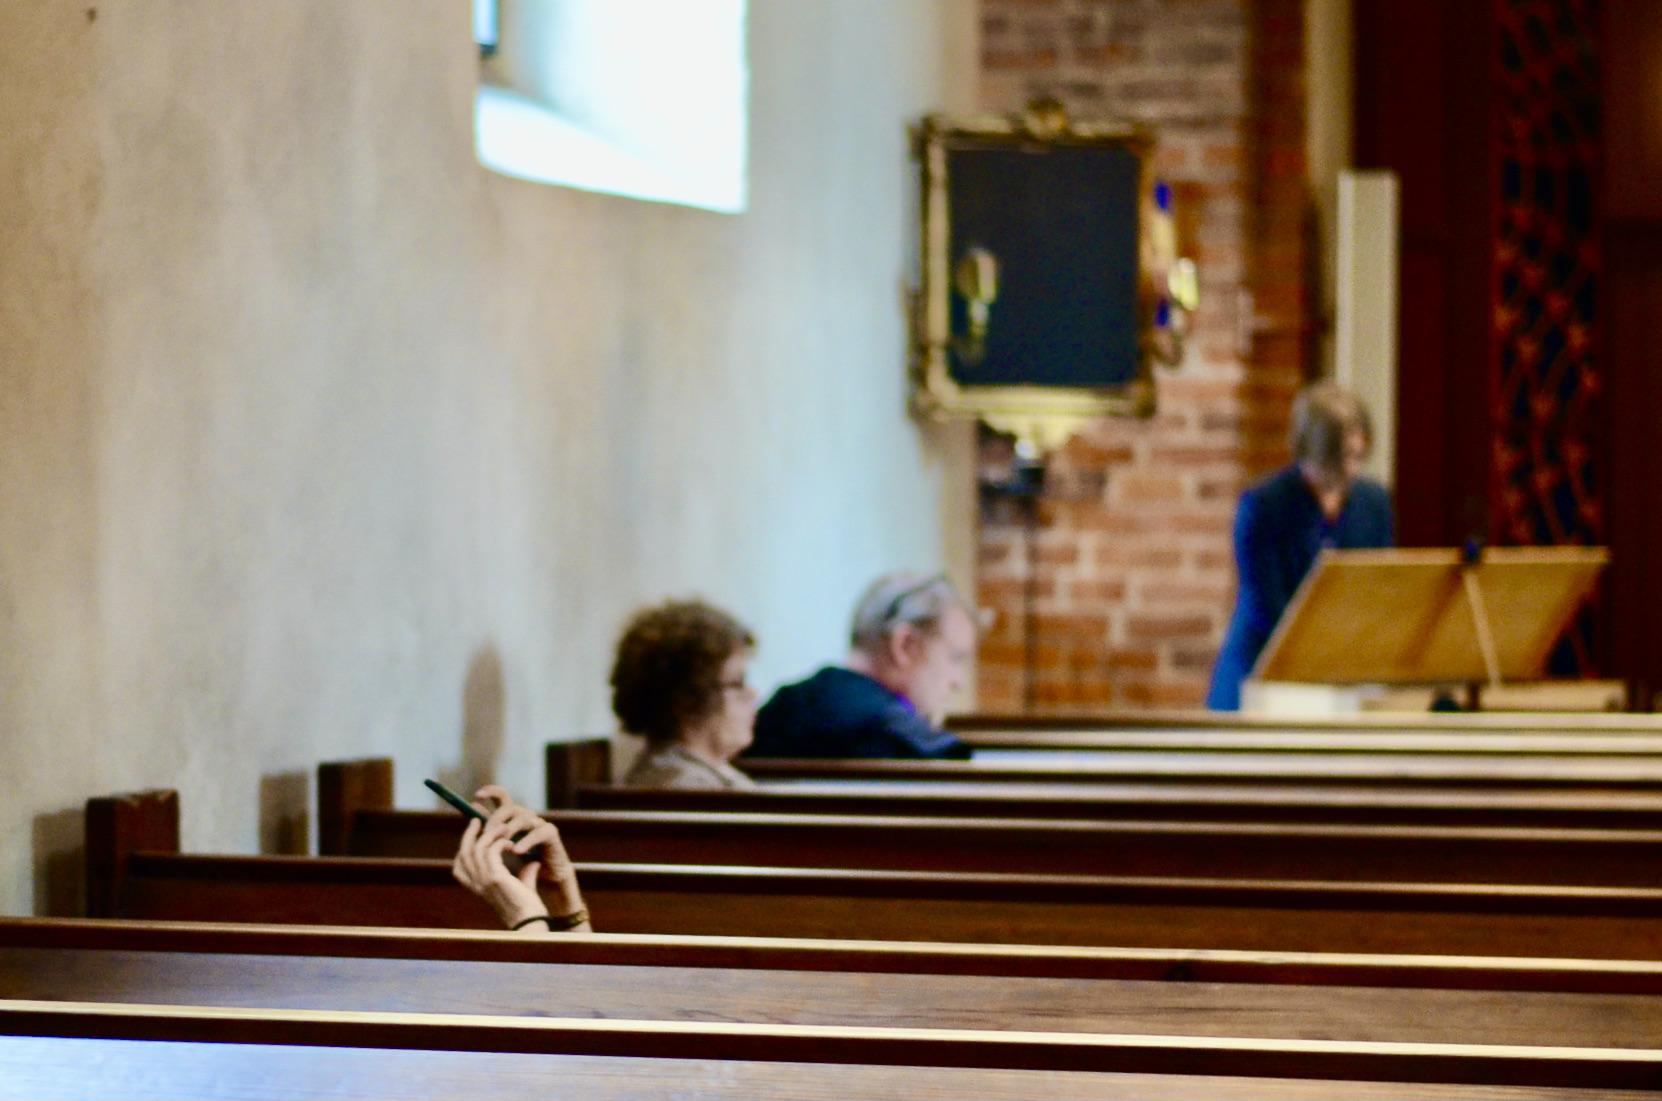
(528, 874)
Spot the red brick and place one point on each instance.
(1214, 560)
(1200, 660)
(1051, 553)
(1152, 628)
(1194, 456)
(1131, 488)
(1072, 629)
(1145, 661)
(1139, 558)
(1098, 591)
(1180, 592)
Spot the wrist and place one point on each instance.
(516, 911)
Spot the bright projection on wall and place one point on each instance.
(645, 98)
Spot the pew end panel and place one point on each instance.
(570, 765)
(118, 826)
(343, 789)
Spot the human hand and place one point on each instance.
(481, 863)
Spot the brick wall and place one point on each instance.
(1124, 601)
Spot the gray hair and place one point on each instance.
(906, 597)
(1324, 414)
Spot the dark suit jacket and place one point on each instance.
(840, 713)
(1279, 530)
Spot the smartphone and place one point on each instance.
(467, 808)
(456, 801)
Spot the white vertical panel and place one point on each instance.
(1365, 322)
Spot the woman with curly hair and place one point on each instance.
(679, 682)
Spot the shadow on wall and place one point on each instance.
(484, 711)
(285, 814)
(60, 863)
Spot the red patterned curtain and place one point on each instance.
(1546, 378)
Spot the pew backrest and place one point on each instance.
(1376, 806)
(828, 1047)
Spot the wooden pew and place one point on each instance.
(1560, 771)
(202, 1051)
(1356, 805)
(976, 722)
(1578, 922)
(1639, 745)
(836, 984)
(1133, 848)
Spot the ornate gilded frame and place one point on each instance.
(1043, 417)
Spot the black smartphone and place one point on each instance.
(456, 801)
(467, 808)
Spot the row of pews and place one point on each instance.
(1041, 931)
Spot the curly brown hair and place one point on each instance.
(667, 676)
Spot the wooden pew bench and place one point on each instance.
(1639, 744)
(1590, 922)
(1365, 806)
(1423, 721)
(206, 1052)
(1208, 850)
(1573, 1003)
(374, 981)
(1563, 771)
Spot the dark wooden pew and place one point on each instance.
(1429, 854)
(836, 984)
(204, 1051)
(1562, 771)
(1573, 922)
(1374, 806)
(1637, 745)
(1156, 968)
(1589, 721)
(1133, 848)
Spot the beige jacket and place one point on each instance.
(679, 768)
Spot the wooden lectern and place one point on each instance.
(1423, 617)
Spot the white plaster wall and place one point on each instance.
(310, 426)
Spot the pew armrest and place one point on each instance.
(118, 826)
(570, 765)
(343, 789)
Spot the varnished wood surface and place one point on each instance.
(34, 1068)
(1614, 1068)
(1591, 922)
(1402, 616)
(1065, 847)
(1505, 722)
(1358, 805)
(1166, 965)
(1479, 743)
(992, 1003)
(1329, 769)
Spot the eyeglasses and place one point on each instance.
(893, 611)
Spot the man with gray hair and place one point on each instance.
(912, 640)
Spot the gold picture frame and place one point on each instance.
(1042, 417)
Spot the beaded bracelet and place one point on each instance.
(556, 925)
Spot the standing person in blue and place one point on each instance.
(1284, 521)
(912, 640)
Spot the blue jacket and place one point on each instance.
(840, 713)
(1279, 530)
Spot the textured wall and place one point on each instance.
(1131, 579)
(317, 440)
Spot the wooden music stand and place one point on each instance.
(1428, 617)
